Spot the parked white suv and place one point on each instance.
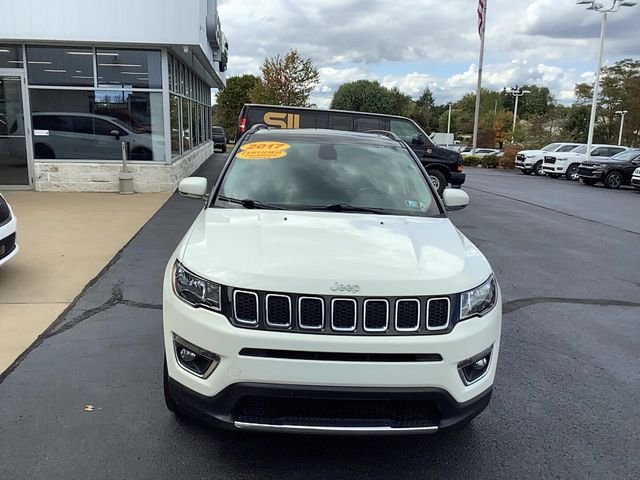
(323, 289)
(8, 225)
(528, 161)
(635, 179)
(567, 163)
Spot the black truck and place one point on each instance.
(444, 165)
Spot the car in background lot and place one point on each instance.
(530, 161)
(219, 138)
(323, 289)
(444, 165)
(483, 152)
(613, 172)
(567, 163)
(8, 225)
(635, 179)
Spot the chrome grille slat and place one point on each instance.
(438, 313)
(374, 318)
(245, 307)
(278, 310)
(344, 314)
(407, 315)
(311, 313)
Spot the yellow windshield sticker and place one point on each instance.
(263, 150)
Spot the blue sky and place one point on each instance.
(414, 44)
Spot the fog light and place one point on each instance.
(187, 355)
(473, 369)
(194, 359)
(480, 364)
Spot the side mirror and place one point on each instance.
(193, 187)
(455, 199)
(419, 140)
(115, 133)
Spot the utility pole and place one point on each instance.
(622, 113)
(517, 92)
(449, 124)
(596, 6)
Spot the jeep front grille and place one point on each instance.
(341, 315)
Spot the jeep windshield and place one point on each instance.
(349, 175)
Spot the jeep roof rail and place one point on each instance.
(256, 127)
(386, 133)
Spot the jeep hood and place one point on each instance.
(308, 252)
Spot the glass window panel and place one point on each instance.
(170, 71)
(174, 115)
(11, 56)
(60, 66)
(89, 125)
(129, 68)
(181, 86)
(186, 130)
(195, 130)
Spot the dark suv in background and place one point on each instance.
(219, 138)
(443, 165)
(613, 172)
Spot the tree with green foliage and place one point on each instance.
(539, 102)
(620, 90)
(371, 96)
(230, 100)
(287, 80)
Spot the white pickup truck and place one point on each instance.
(567, 163)
(530, 161)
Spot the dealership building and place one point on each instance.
(80, 77)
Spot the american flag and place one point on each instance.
(482, 5)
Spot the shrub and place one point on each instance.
(490, 161)
(472, 161)
(508, 160)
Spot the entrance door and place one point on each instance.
(14, 163)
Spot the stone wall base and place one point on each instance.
(57, 176)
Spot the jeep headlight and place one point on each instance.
(478, 301)
(195, 290)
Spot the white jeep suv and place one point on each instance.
(323, 289)
(8, 245)
(528, 161)
(567, 163)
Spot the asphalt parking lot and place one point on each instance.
(566, 401)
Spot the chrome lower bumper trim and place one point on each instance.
(333, 430)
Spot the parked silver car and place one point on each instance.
(65, 135)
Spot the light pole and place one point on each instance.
(449, 124)
(516, 92)
(613, 6)
(622, 113)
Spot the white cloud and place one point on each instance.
(547, 42)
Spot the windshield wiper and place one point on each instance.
(345, 207)
(248, 203)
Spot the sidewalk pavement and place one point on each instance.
(65, 240)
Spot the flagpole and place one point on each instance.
(480, 62)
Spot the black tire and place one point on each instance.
(43, 151)
(589, 181)
(141, 153)
(537, 169)
(613, 180)
(438, 180)
(572, 173)
(168, 399)
(224, 148)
